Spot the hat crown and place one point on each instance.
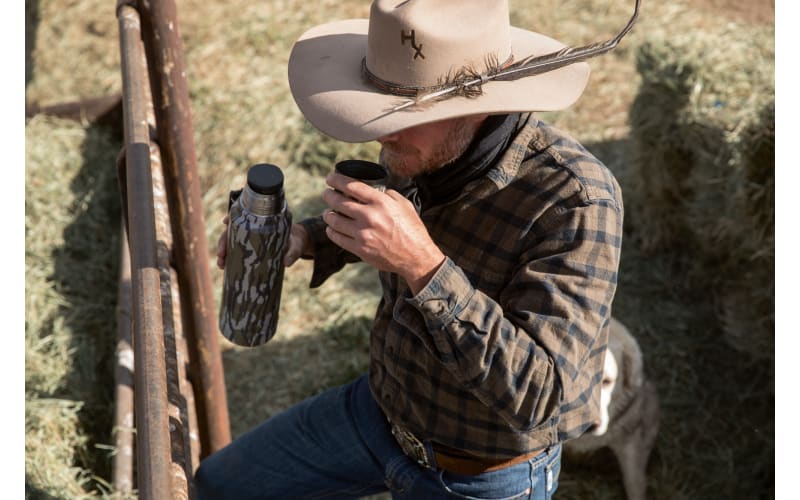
(417, 43)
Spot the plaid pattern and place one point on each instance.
(502, 353)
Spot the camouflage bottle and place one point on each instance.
(258, 236)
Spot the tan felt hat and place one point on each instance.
(360, 79)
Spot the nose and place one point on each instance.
(388, 138)
(597, 428)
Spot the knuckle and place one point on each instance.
(367, 237)
(372, 218)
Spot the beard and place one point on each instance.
(408, 161)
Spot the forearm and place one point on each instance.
(523, 351)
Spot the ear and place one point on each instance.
(632, 365)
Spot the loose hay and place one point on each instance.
(71, 227)
(703, 126)
(50, 440)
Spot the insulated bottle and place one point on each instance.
(258, 236)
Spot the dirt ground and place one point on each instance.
(745, 11)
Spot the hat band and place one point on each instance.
(412, 91)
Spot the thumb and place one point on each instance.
(291, 256)
(298, 240)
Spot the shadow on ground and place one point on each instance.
(86, 272)
(31, 26)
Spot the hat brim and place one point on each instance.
(326, 82)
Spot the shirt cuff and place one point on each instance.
(447, 293)
(326, 253)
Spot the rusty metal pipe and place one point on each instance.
(185, 444)
(186, 388)
(171, 101)
(122, 464)
(182, 469)
(150, 385)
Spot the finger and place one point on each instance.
(222, 243)
(297, 242)
(222, 249)
(226, 219)
(340, 223)
(343, 204)
(351, 187)
(400, 199)
(339, 239)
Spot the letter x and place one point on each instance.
(417, 48)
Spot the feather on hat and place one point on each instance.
(420, 61)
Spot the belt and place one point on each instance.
(450, 459)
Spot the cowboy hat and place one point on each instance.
(348, 77)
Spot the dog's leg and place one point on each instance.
(633, 452)
(630, 456)
(651, 411)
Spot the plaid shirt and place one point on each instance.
(501, 353)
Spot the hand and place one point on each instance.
(299, 243)
(383, 229)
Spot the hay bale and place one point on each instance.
(703, 130)
(741, 236)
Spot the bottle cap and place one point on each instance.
(265, 178)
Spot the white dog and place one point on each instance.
(629, 413)
(610, 374)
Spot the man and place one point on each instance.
(498, 247)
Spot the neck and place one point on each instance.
(489, 140)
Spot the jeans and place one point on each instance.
(338, 444)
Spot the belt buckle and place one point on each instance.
(411, 446)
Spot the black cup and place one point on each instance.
(368, 172)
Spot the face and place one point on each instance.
(610, 373)
(425, 148)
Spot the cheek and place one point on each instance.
(422, 141)
(398, 150)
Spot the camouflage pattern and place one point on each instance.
(251, 293)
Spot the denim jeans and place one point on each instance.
(338, 444)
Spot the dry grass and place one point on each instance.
(71, 214)
(717, 433)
